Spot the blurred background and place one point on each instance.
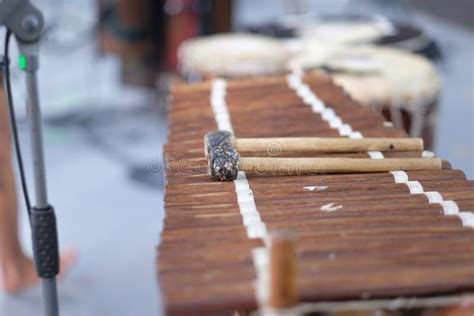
(105, 70)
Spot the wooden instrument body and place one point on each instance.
(369, 236)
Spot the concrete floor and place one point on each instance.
(109, 206)
(103, 144)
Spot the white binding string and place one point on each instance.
(219, 106)
(375, 154)
(261, 261)
(295, 82)
(449, 207)
(251, 219)
(427, 154)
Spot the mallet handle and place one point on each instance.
(282, 290)
(275, 146)
(264, 165)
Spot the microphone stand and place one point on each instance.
(26, 23)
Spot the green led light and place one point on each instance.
(22, 61)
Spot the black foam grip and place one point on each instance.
(45, 242)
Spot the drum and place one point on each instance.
(403, 86)
(231, 56)
(347, 29)
(351, 30)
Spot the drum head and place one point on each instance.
(233, 55)
(375, 75)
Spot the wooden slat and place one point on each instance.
(383, 242)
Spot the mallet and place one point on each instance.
(311, 145)
(224, 162)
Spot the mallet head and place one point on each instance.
(222, 157)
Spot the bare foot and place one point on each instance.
(21, 274)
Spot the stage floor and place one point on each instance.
(107, 192)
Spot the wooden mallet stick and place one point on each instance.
(224, 162)
(283, 268)
(311, 145)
